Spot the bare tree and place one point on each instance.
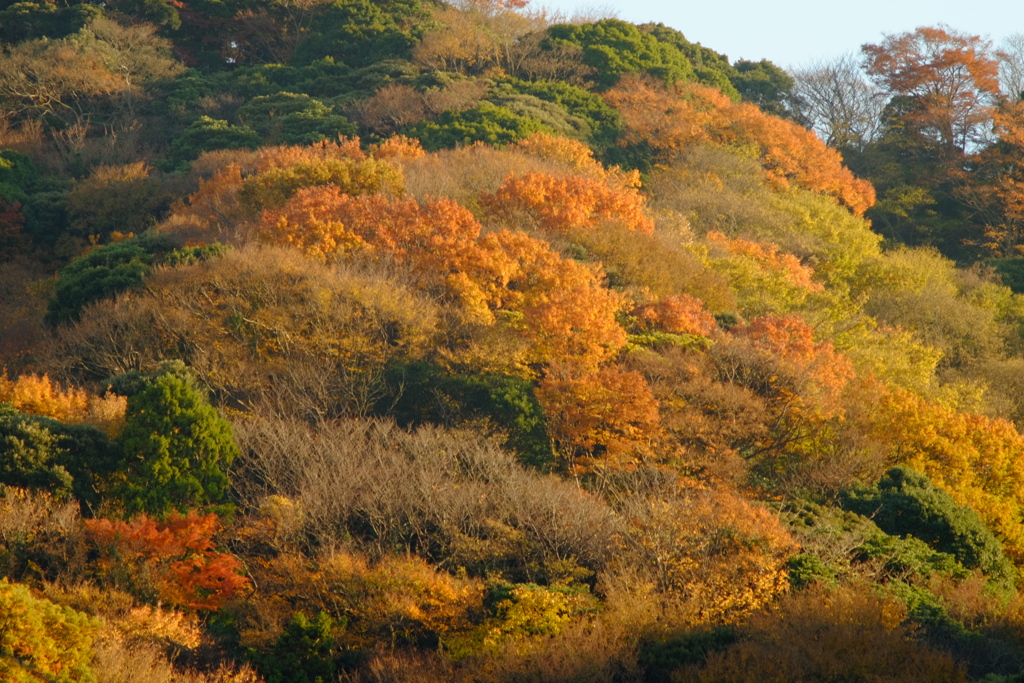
(1011, 65)
(836, 101)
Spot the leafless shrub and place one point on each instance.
(450, 495)
(117, 662)
(40, 538)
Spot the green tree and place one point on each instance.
(359, 33)
(21, 21)
(43, 454)
(207, 134)
(613, 47)
(709, 67)
(764, 84)
(604, 122)
(176, 449)
(484, 123)
(18, 176)
(28, 452)
(102, 273)
(293, 119)
(421, 393)
(306, 652)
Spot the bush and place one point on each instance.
(41, 453)
(484, 123)
(290, 119)
(102, 273)
(41, 640)
(905, 503)
(421, 393)
(207, 134)
(448, 495)
(306, 652)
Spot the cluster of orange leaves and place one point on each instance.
(790, 339)
(608, 417)
(39, 395)
(677, 314)
(578, 156)
(177, 555)
(671, 119)
(217, 210)
(566, 312)
(569, 203)
(724, 556)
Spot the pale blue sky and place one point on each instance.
(797, 32)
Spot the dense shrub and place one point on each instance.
(905, 503)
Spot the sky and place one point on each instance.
(794, 33)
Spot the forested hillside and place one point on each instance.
(425, 341)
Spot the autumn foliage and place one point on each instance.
(677, 314)
(671, 119)
(977, 459)
(569, 204)
(609, 418)
(175, 560)
(565, 312)
(610, 384)
(35, 395)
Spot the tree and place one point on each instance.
(994, 185)
(116, 200)
(93, 76)
(461, 44)
(292, 119)
(206, 134)
(945, 82)
(29, 455)
(765, 280)
(764, 84)
(486, 122)
(23, 21)
(272, 31)
(837, 103)
(176, 449)
(59, 83)
(421, 393)
(569, 204)
(360, 33)
(557, 305)
(606, 419)
(613, 47)
(675, 541)
(306, 652)
(1011, 66)
(102, 273)
(978, 460)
